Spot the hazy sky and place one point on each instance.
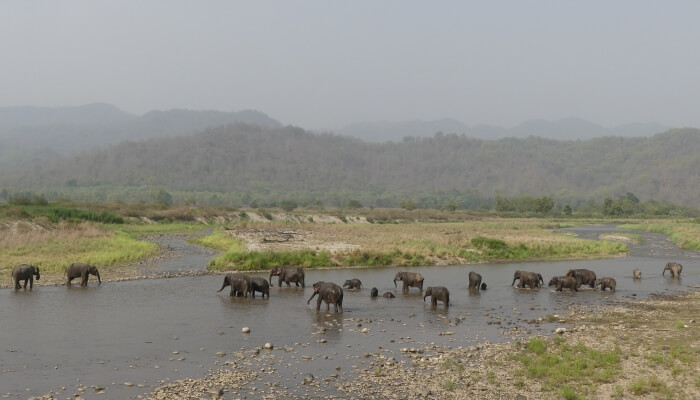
(323, 64)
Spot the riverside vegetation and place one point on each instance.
(113, 235)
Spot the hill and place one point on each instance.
(249, 162)
(31, 134)
(564, 129)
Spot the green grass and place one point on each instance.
(449, 385)
(559, 366)
(649, 385)
(257, 260)
(221, 240)
(147, 229)
(56, 213)
(496, 249)
(684, 233)
(53, 252)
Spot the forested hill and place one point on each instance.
(28, 134)
(258, 161)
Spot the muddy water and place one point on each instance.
(147, 331)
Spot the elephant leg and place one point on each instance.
(17, 284)
(297, 283)
(287, 282)
(318, 304)
(31, 281)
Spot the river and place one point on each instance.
(150, 331)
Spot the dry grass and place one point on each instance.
(52, 247)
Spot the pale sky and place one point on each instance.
(324, 64)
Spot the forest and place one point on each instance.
(247, 165)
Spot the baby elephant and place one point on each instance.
(25, 273)
(374, 292)
(438, 293)
(637, 273)
(675, 269)
(606, 283)
(82, 271)
(330, 293)
(390, 295)
(353, 284)
(568, 282)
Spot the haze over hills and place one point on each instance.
(564, 129)
(29, 133)
(250, 162)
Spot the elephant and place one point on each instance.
(374, 292)
(388, 295)
(606, 283)
(82, 271)
(568, 282)
(409, 279)
(25, 272)
(330, 293)
(554, 281)
(637, 273)
(353, 284)
(584, 276)
(483, 286)
(474, 280)
(675, 269)
(438, 293)
(261, 285)
(540, 280)
(530, 279)
(288, 274)
(240, 284)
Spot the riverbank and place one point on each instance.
(642, 349)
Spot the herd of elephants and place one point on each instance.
(243, 285)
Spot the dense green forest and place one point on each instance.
(249, 165)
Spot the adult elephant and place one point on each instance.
(568, 282)
(353, 284)
(584, 276)
(474, 280)
(240, 284)
(675, 269)
(82, 271)
(288, 274)
(261, 285)
(330, 293)
(438, 293)
(409, 279)
(530, 279)
(25, 273)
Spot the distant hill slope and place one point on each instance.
(31, 133)
(245, 158)
(564, 129)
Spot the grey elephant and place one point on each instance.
(584, 276)
(553, 281)
(374, 292)
(437, 293)
(530, 279)
(637, 273)
(240, 284)
(675, 269)
(540, 280)
(330, 293)
(261, 285)
(25, 273)
(483, 286)
(409, 279)
(353, 284)
(82, 271)
(388, 295)
(474, 280)
(606, 283)
(568, 282)
(288, 274)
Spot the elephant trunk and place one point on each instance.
(395, 283)
(224, 285)
(272, 273)
(424, 297)
(97, 274)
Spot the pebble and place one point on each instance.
(129, 384)
(365, 330)
(268, 346)
(220, 353)
(245, 329)
(560, 331)
(308, 378)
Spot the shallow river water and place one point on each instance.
(147, 331)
